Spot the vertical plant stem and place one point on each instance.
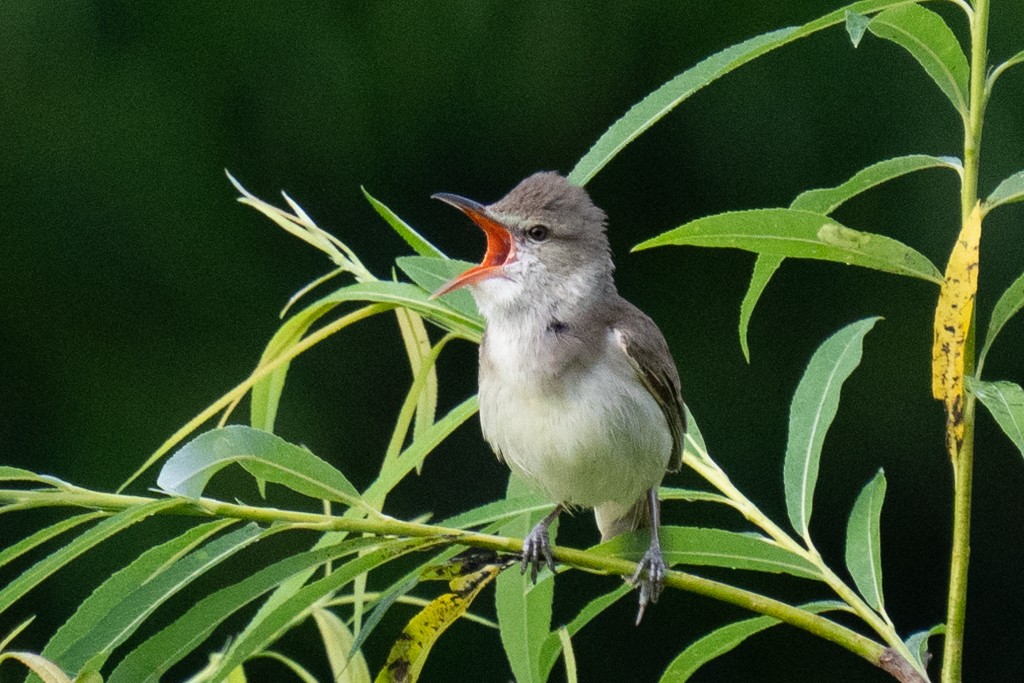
(963, 460)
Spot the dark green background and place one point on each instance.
(135, 290)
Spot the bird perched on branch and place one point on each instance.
(579, 394)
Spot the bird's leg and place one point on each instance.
(537, 545)
(650, 573)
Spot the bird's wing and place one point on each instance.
(645, 347)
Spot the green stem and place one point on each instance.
(963, 459)
(714, 475)
(863, 646)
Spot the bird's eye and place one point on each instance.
(538, 233)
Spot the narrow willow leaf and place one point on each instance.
(40, 537)
(1009, 304)
(654, 106)
(764, 268)
(302, 672)
(266, 394)
(570, 655)
(150, 660)
(108, 630)
(409, 653)
(553, 643)
(40, 666)
(400, 589)
(263, 455)
(296, 608)
(111, 594)
(713, 548)
(828, 199)
(918, 644)
(415, 240)
(814, 406)
(418, 349)
(856, 25)
(9, 638)
(499, 511)
(337, 640)
(40, 571)
(437, 311)
(411, 406)
(725, 639)
(927, 37)
(1005, 400)
(953, 315)
(799, 234)
(864, 544)
(431, 274)
(692, 496)
(413, 456)
(17, 474)
(1009, 191)
(524, 608)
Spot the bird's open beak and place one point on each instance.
(500, 248)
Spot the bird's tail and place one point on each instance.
(613, 519)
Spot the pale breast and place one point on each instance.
(582, 429)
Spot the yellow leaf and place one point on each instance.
(952, 324)
(467, 578)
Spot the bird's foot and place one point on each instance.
(537, 551)
(650, 576)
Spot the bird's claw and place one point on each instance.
(650, 576)
(537, 551)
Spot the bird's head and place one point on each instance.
(546, 241)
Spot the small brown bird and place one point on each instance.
(578, 391)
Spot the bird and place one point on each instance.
(578, 391)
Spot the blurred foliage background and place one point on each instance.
(135, 289)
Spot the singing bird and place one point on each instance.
(579, 394)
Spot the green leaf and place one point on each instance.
(432, 273)
(40, 666)
(826, 200)
(764, 268)
(18, 474)
(1005, 400)
(40, 537)
(150, 660)
(654, 106)
(337, 639)
(856, 24)
(799, 234)
(415, 240)
(266, 394)
(118, 607)
(296, 668)
(438, 311)
(1006, 192)
(412, 457)
(570, 655)
(40, 571)
(524, 608)
(264, 455)
(863, 542)
(1010, 302)
(927, 37)
(918, 643)
(814, 406)
(692, 496)
(712, 548)
(553, 644)
(419, 351)
(297, 607)
(725, 639)
(499, 511)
